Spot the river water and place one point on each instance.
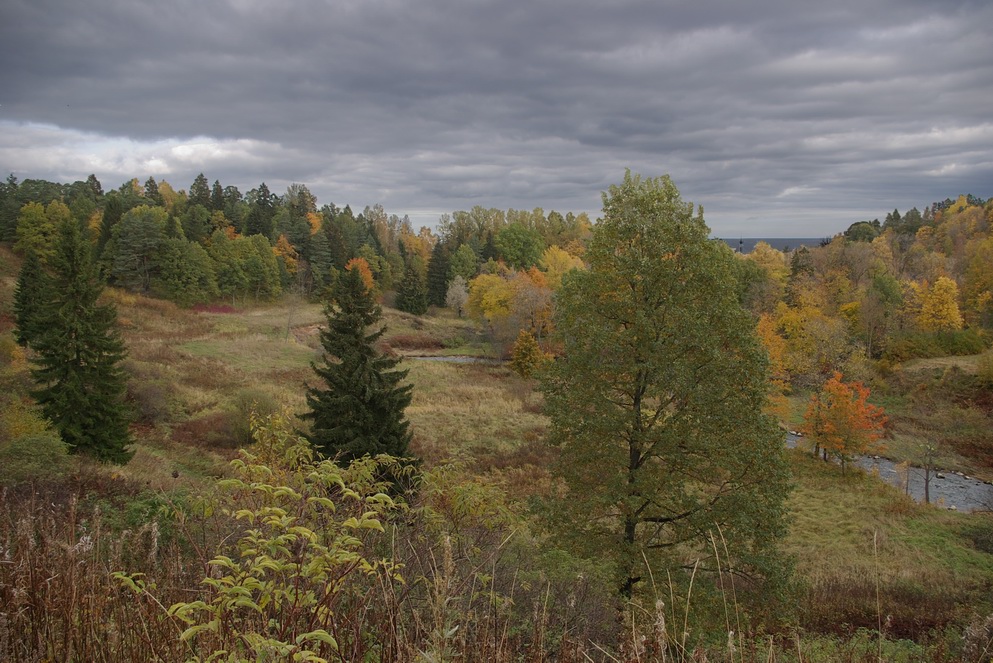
(950, 490)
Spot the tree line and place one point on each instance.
(213, 242)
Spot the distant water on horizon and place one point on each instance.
(780, 243)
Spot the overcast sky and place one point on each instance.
(783, 118)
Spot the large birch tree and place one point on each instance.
(656, 401)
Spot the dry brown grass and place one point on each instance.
(966, 363)
(469, 410)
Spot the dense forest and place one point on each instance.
(218, 445)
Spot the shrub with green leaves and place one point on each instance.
(34, 456)
(296, 583)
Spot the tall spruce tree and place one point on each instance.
(79, 353)
(412, 296)
(359, 409)
(438, 274)
(31, 294)
(113, 210)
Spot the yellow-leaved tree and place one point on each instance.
(939, 306)
(365, 272)
(555, 262)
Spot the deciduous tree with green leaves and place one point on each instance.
(656, 402)
(463, 263)
(37, 227)
(519, 246)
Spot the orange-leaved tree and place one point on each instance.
(779, 377)
(841, 421)
(285, 252)
(362, 265)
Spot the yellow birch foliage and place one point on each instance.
(532, 302)
(527, 358)
(939, 307)
(314, 220)
(977, 282)
(771, 260)
(490, 297)
(556, 261)
(775, 347)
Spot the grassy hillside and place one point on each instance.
(866, 556)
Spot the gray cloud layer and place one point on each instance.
(782, 117)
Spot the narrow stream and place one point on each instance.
(950, 490)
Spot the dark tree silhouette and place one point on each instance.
(359, 408)
(79, 353)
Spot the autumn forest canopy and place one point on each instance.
(598, 473)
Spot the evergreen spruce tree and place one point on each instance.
(79, 352)
(359, 409)
(113, 210)
(200, 192)
(438, 274)
(217, 197)
(412, 296)
(152, 193)
(31, 293)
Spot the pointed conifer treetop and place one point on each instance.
(359, 407)
(79, 352)
(31, 293)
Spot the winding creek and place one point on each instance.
(950, 490)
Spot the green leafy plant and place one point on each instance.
(295, 584)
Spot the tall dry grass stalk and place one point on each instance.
(58, 599)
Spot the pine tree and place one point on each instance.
(412, 296)
(217, 197)
(200, 192)
(152, 193)
(359, 409)
(79, 352)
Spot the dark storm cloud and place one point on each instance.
(781, 117)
